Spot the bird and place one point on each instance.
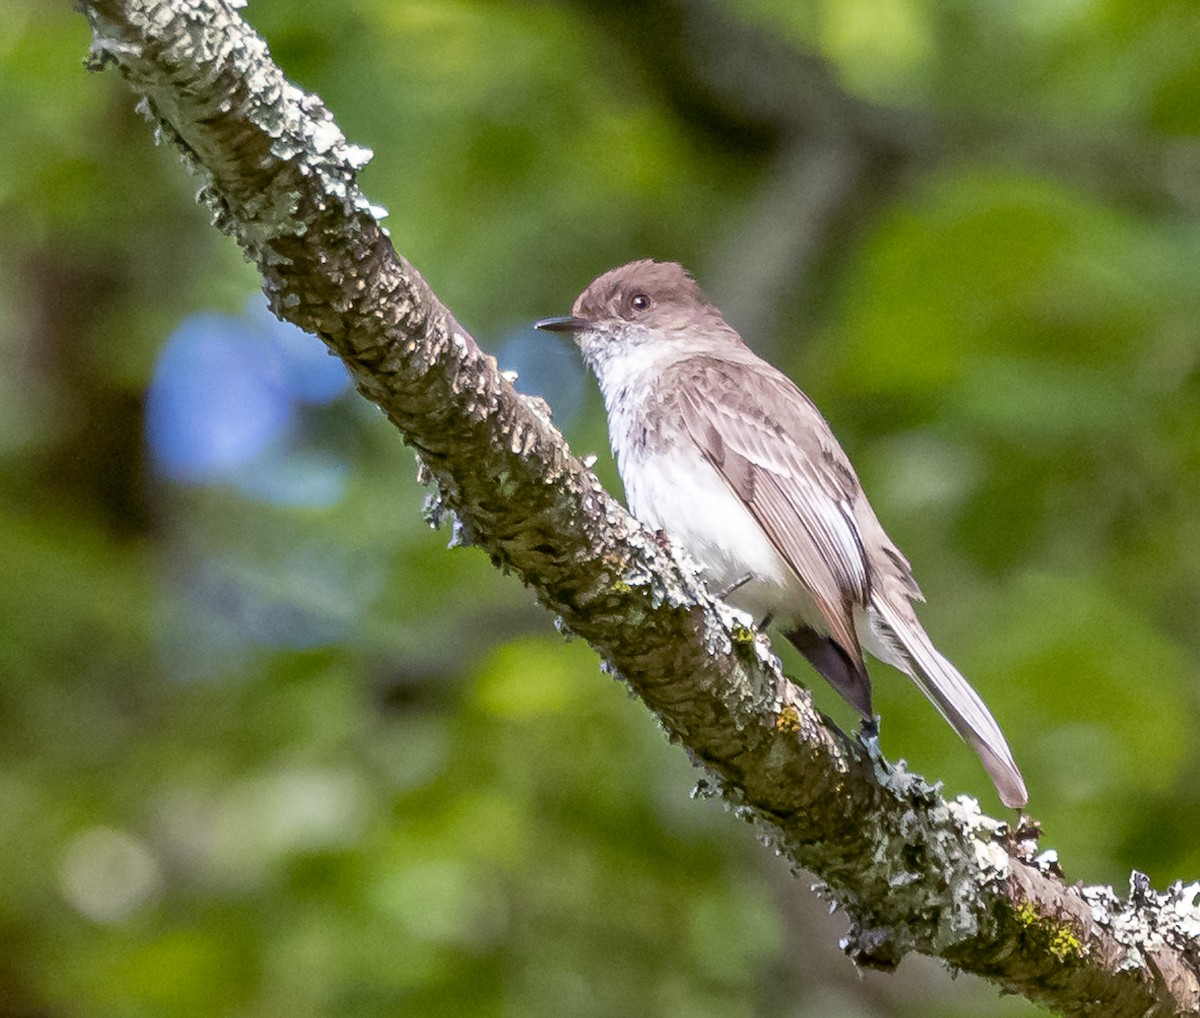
(723, 453)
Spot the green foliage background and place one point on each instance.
(449, 810)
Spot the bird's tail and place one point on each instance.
(959, 704)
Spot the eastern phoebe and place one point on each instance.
(728, 457)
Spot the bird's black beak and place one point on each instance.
(567, 323)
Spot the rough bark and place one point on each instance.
(912, 871)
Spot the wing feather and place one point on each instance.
(777, 454)
(782, 473)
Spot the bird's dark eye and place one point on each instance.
(639, 302)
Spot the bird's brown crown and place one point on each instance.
(644, 289)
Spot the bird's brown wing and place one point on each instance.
(792, 477)
(778, 455)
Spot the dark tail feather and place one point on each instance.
(836, 667)
(953, 696)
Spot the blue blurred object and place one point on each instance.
(226, 401)
(213, 404)
(307, 369)
(546, 367)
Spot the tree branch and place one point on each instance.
(913, 872)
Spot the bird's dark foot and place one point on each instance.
(661, 539)
(868, 738)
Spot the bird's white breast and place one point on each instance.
(670, 486)
(681, 493)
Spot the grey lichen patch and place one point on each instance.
(543, 411)
(507, 484)
(943, 861)
(1047, 862)
(981, 870)
(105, 51)
(434, 510)
(1148, 920)
(984, 835)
